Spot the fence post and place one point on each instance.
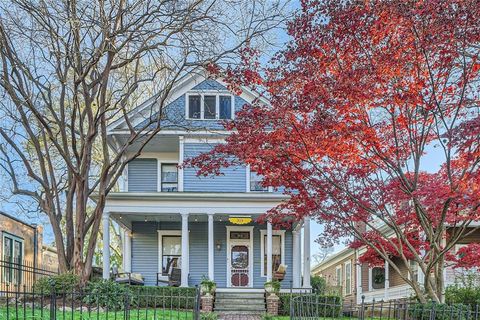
(53, 303)
(361, 316)
(197, 303)
(126, 306)
(432, 312)
(291, 299)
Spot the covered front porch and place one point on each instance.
(207, 235)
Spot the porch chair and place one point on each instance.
(174, 278)
(280, 273)
(127, 277)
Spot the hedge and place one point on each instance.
(442, 311)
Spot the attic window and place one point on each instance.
(209, 106)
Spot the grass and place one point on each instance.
(141, 314)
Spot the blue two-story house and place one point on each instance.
(205, 226)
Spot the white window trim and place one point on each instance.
(159, 170)
(338, 281)
(247, 187)
(349, 265)
(202, 94)
(162, 233)
(6, 234)
(263, 233)
(250, 254)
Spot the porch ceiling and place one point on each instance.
(126, 219)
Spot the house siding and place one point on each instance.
(173, 116)
(233, 179)
(143, 175)
(145, 252)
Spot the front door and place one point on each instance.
(239, 265)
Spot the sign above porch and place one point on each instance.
(240, 219)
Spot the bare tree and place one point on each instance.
(69, 67)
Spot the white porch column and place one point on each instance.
(106, 245)
(297, 262)
(387, 280)
(185, 250)
(127, 253)
(306, 252)
(358, 281)
(211, 248)
(180, 162)
(269, 251)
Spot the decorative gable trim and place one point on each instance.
(185, 84)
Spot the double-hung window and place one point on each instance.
(209, 106)
(348, 278)
(169, 178)
(338, 276)
(278, 249)
(12, 257)
(256, 182)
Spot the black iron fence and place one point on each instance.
(18, 275)
(85, 305)
(311, 306)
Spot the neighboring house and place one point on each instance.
(382, 283)
(22, 250)
(205, 226)
(338, 270)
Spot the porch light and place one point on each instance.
(240, 220)
(218, 245)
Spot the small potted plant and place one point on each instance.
(272, 287)
(207, 286)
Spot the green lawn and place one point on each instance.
(141, 314)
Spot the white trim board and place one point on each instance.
(250, 253)
(162, 233)
(263, 233)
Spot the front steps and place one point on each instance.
(240, 302)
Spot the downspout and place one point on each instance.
(35, 251)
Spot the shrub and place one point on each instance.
(439, 311)
(469, 295)
(318, 284)
(329, 306)
(163, 297)
(62, 283)
(106, 294)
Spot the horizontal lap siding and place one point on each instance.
(198, 252)
(145, 248)
(145, 252)
(143, 175)
(233, 179)
(220, 256)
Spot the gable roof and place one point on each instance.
(185, 83)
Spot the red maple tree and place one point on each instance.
(359, 98)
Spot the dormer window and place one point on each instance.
(209, 106)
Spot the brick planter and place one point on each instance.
(272, 304)
(206, 303)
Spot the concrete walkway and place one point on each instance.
(236, 316)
